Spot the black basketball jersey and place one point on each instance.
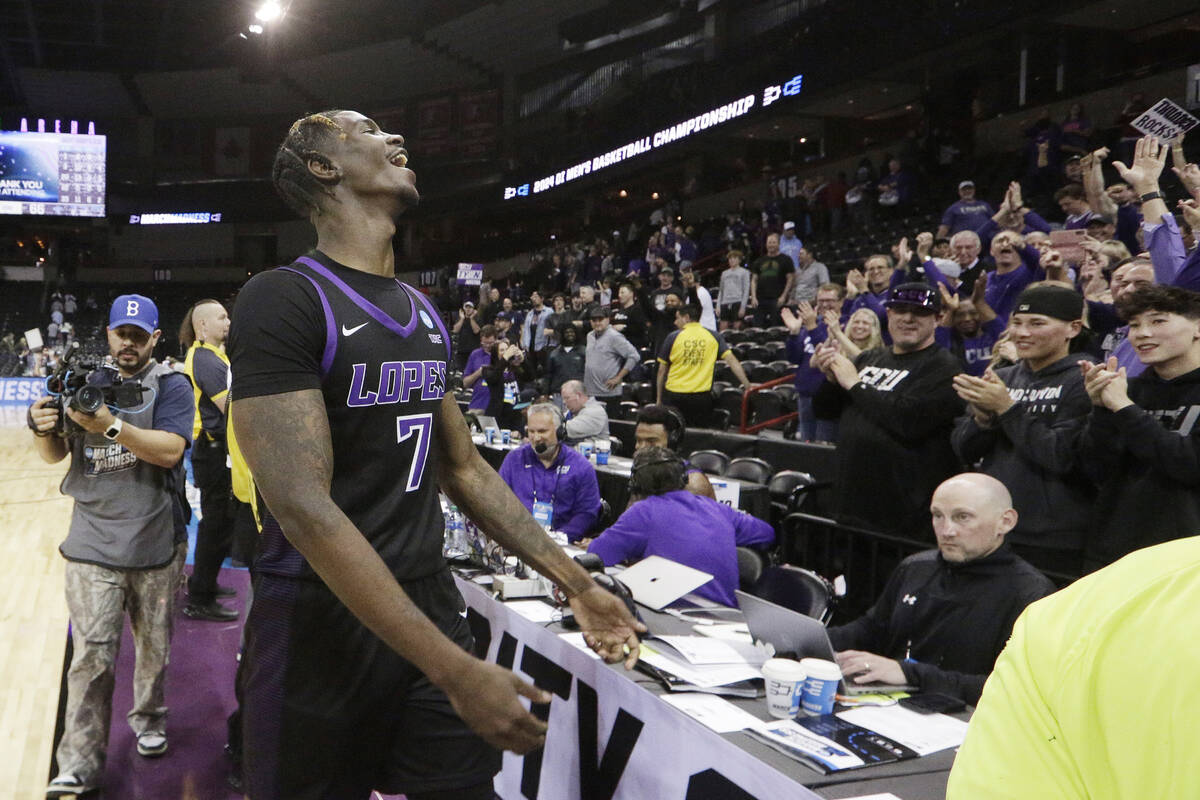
(382, 370)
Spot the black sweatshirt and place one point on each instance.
(951, 620)
(1146, 459)
(894, 438)
(1033, 449)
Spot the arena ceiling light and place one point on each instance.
(268, 12)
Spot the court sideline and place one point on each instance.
(33, 612)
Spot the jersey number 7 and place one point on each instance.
(421, 426)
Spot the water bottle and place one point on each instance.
(455, 543)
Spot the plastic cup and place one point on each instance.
(585, 449)
(491, 434)
(784, 682)
(505, 436)
(820, 686)
(603, 448)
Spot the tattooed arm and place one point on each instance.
(285, 439)
(480, 491)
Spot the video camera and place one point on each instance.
(71, 386)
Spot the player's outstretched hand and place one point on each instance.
(608, 627)
(487, 698)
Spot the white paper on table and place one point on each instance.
(924, 733)
(483, 580)
(534, 610)
(576, 640)
(707, 651)
(704, 676)
(715, 712)
(728, 631)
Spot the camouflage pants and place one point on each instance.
(98, 598)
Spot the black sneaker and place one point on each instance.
(209, 612)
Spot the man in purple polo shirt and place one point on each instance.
(671, 522)
(557, 484)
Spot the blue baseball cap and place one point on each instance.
(134, 309)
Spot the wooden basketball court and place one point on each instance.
(33, 612)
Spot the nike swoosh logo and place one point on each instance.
(351, 331)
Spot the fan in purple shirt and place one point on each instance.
(671, 522)
(969, 327)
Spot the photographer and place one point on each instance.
(126, 543)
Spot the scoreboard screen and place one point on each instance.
(52, 174)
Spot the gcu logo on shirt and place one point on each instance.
(396, 382)
(883, 379)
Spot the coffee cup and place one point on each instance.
(585, 450)
(603, 447)
(491, 434)
(783, 679)
(505, 436)
(820, 686)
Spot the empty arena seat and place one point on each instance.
(798, 589)
(748, 468)
(710, 462)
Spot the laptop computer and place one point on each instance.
(486, 422)
(657, 582)
(793, 633)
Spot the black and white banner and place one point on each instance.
(609, 738)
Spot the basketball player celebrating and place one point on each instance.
(358, 672)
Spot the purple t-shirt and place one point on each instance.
(692, 530)
(800, 350)
(1003, 290)
(481, 395)
(976, 351)
(967, 215)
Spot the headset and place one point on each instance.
(636, 485)
(675, 437)
(560, 424)
(675, 428)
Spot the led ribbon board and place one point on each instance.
(175, 218)
(674, 133)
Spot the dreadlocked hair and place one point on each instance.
(307, 140)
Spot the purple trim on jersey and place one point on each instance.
(270, 632)
(375, 312)
(330, 326)
(433, 312)
(276, 555)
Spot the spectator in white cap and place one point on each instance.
(789, 242)
(968, 214)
